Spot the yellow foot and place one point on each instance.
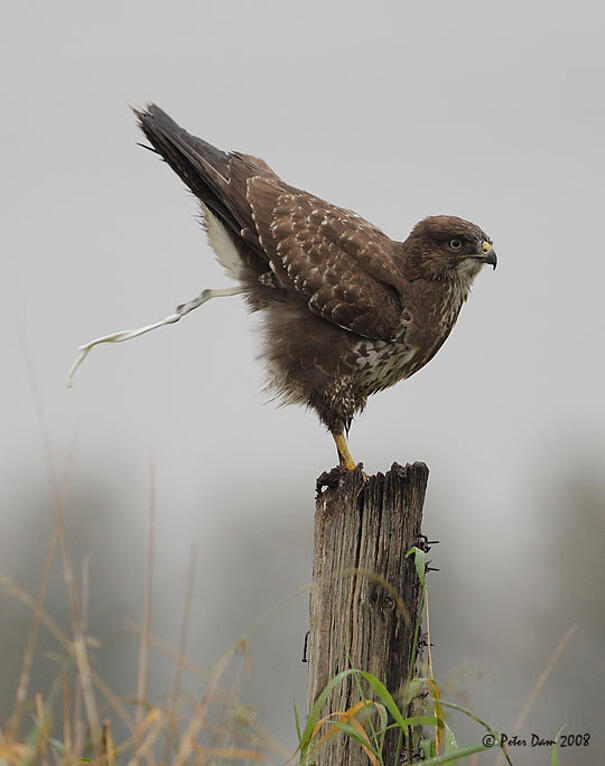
(344, 456)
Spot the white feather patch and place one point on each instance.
(223, 246)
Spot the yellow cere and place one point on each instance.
(486, 247)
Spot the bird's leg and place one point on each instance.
(344, 456)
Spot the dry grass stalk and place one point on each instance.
(172, 728)
(81, 727)
(164, 646)
(67, 732)
(18, 593)
(144, 644)
(81, 656)
(535, 692)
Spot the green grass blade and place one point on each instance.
(428, 748)
(422, 720)
(313, 716)
(297, 719)
(399, 746)
(554, 753)
(450, 740)
(412, 689)
(352, 733)
(554, 756)
(362, 696)
(386, 698)
(483, 723)
(420, 562)
(456, 755)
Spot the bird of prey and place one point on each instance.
(346, 310)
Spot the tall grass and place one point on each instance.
(204, 721)
(377, 711)
(208, 723)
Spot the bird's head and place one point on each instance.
(446, 247)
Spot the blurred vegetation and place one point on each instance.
(55, 695)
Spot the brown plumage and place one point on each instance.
(347, 310)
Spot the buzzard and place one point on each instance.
(347, 311)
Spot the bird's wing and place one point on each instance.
(341, 265)
(344, 268)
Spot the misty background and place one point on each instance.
(398, 111)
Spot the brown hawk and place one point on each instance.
(347, 311)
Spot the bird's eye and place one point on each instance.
(455, 244)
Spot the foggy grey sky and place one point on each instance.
(396, 110)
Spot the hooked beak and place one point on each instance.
(488, 254)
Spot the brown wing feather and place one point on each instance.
(344, 268)
(335, 260)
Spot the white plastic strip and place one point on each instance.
(118, 337)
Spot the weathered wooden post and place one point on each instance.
(364, 605)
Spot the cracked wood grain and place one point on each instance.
(365, 598)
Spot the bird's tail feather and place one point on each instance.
(200, 165)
